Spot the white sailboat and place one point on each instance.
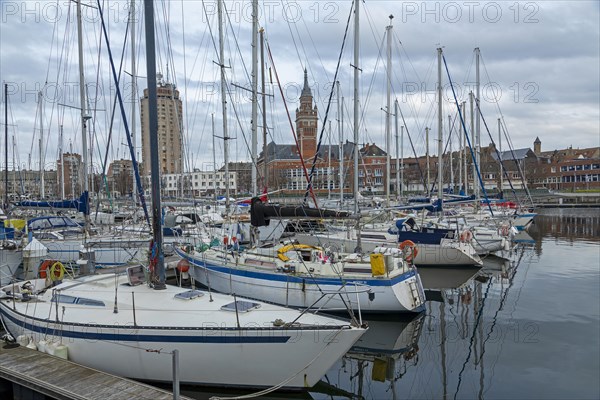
(120, 324)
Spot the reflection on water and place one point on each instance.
(570, 224)
(519, 327)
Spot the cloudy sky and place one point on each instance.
(539, 70)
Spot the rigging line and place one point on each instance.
(124, 118)
(185, 89)
(498, 153)
(291, 124)
(369, 93)
(413, 148)
(291, 34)
(467, 136)
(111, 121)
(507, 136)
(337, 69)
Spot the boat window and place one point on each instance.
(189, 295)
(63, 298)
(241, 306)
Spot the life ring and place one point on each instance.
(295, 246)
(53, 269)
(466, 236)
(409, 249)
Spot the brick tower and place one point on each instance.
(306, 122)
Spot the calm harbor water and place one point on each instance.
(523, 327)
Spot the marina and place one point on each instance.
(414, 218)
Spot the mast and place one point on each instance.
(401, 161)
(388, 128)
(460, 159)
(440, 132)
(329, 165)
(427, 160)
(214, 185)
(397, 150)
(62, 165)
(42, 185)
(133, 97)
(475, 191)
(5, 146)
(356, 70)
(254, 143)
(264, 105)
(158, 273)
(84, 116)
(341, 134)
(477, 142)
(355, 127)
(223, 102)
(500, 152)
(450, 151)
(464, 150)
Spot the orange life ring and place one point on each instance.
(46, 267)
(409, 248)
(466, 236)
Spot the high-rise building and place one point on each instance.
(170, 125)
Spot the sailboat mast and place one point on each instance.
(473, 161)
(500, 152)
(477, 119)
(264, 106)
(84, 117)
(329, 165)
(214, 182)
(341, 135)
(254, 144)
(464, 156)
(388, 111)
(62, 165)
(397, 150)
(440, 131)
(133, 96)
(42, 185)
(401, 160)
(5, 145)
(356, 71)
(450, 154)
(427, 189)
(223, 102)
(158, 273)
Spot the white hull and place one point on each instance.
(114, 253)
(213, 350)
(451, 253)
(400, 293)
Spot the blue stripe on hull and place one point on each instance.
(128, 337)
(288, 278)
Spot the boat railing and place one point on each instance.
(340, 292)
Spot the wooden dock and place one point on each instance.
(43, 375)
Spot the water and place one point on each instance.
(526, 327)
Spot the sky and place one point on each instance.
(539, 73)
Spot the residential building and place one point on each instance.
(170, 126)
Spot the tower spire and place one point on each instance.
(306, 89)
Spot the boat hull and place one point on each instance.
(135, 336)
(403, 293)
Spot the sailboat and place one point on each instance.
(302, 276)
(135, 325)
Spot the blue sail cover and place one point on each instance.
(81, 204)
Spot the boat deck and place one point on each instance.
(61, 379)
